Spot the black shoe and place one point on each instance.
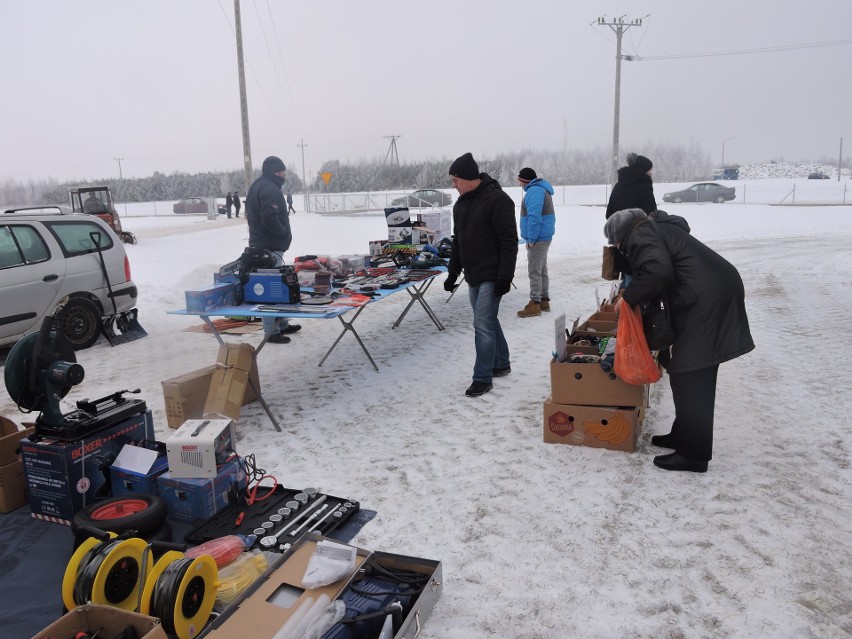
(501, 372)
(290, 328)
(676, 461)
(278, 338)
(478, 388)
(664, 441)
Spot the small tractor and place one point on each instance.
(97, 200)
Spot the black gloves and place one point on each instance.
(501, 287)
(450, 283)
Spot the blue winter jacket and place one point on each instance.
(538, 221)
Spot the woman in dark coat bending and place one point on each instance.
(707, 302)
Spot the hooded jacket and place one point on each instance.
(538, 221)
(705, 292)
(266, 214)
(485, 235)
(633, 190)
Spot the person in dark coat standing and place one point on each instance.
(237, 204)
(269, 228)
(229, 203)
(634, 188)
(290, 208)
(707, 302)
(485, 247)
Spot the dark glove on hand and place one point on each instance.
(450, 284)
(501, 287)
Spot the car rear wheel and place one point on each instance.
(82, 322)
(720, 199)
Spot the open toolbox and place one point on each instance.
(277, 518)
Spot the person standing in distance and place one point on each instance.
(290, 208)
(485, 247)
(269, 228)
(237, 203)
(229, 203)
(634, 188)
(538, 223)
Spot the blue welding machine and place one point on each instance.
(273, 285)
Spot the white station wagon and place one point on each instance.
(63, 264)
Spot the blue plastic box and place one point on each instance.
(192, 500)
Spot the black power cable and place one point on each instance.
(164, 598)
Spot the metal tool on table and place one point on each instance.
(270, 541)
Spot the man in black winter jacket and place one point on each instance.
(269, 228)
(485, 247)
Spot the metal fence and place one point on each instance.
(350, 203)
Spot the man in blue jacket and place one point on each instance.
(269, 228)
(538, 223)
(485, 247)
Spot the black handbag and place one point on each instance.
(658, 323)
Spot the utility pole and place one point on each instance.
(618, 26)
(238, 28)
(392, 153)
(304, 175)
(120, 176)
(840, 160)
(723, 153)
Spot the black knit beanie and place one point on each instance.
(273, 164)
(465, 167)
(642, 163)
(527, 174)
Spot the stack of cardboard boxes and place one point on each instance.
(589, 406)
(12, 481)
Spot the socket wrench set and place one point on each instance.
(279, 519)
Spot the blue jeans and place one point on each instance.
(269, 323)
(492, 351)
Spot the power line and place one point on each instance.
(392, 153)
(786, 47)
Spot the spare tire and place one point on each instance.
(141, 512)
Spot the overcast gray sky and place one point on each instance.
(155, 82)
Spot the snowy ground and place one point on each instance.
(540, 540)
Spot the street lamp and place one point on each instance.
(723, 151)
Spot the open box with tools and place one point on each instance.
(278, 517)
(382, 588)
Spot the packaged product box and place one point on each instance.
(192, 500)
(587, 384)
(229, 388)
(136, 469)
(66, 476)
(209, 298)
(614, 428)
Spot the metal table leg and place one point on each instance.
(416, 292)
(347, 326)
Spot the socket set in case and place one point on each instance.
(279, 519)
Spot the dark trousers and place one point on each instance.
(694, 396)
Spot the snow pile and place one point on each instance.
(789, 170)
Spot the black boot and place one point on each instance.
(664, 441)
(676, 461)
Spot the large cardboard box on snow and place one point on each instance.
(186, 395)
(13, 492)
(106, 621)
(275, 597)
(615, 428)
(229, 386)
(587, 384)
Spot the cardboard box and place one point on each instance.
(186, 395)
(64, 477)
(597, 328)
(107, 621)
(192, 500)
(605, 316)
(229, 386)
(126, 481)
(209, 298)
(595, 426)
(439, 222)
(589, 385)
(13, 492)
(267, 605)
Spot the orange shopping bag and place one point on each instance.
(633, 361)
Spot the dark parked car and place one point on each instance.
(703, 192)
(195, 205)
(423, 198)
(818, 175)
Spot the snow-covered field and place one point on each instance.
(540, 540)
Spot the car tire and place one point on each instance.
(144, 513)
(82, 322)
(677, 199)
(720, 199)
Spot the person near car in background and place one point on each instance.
(538, 223)
(290, 208)
(634, 188)
(485, 247)
(229, 204)
(237, 203)
(93, 204)
(707, 303)
(269, 228)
